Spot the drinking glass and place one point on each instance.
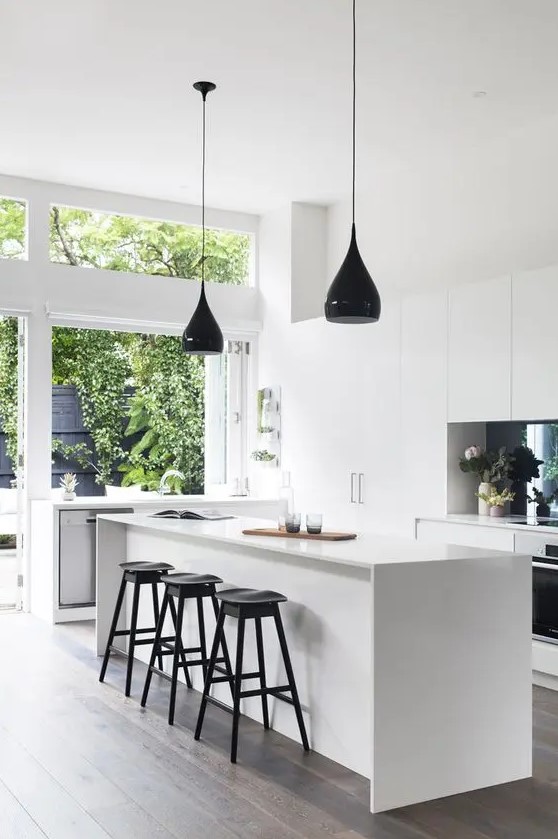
(292, 522)
(314, 523)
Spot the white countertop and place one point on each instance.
(97, 502)
(506, 522)
(366, 551)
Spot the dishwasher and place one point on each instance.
(77, 566)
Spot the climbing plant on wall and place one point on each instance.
(8, 384)
(97, 362)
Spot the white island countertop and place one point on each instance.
(366, 551)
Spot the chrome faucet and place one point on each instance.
(170, 473)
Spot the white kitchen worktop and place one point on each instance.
(366, 551)
(404, 652)
(505, 522)
(98, 502)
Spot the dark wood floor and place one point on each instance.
(79, 761)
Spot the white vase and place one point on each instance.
(484, 488)
(69, 496)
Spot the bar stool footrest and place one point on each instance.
(121, 632)
(265, 691)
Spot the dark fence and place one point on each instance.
(67, 426)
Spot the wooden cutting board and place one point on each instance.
(318, 537)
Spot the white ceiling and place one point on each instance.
(98, 93)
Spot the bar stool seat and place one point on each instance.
(245, 604)
(138, 574)
(238, 596)
(190, 579)
(146, 566)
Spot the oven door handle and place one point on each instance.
(550, 566)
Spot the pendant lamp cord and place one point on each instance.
(354, 106)
(203, 194)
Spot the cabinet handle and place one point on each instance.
(361, 487)
(353, 488)
(92, 520)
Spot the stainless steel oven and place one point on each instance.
(544, 550)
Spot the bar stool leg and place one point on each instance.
(156, 615)
(201, 627)
(176, 657)
(114, 624)
(132, 638)
(219, 632)
(261, 668)
(224, 647)
(237, 687)
(290, 677)
(156, 649)
(178, 640)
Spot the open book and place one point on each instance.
(199, 515)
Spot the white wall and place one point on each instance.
(340, 395)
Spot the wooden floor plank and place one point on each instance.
(15, 822)
(128, 821)
(48, 804)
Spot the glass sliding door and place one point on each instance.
(226, 386)
(12, 461)
(128, 407)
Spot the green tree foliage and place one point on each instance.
(168, 407)
(8, 384)
(12, 228)
(551, 462)
(143, 246)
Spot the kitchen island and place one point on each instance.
(413, 661)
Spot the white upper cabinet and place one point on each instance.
(535, 344)
(479, 351)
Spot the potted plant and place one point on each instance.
(490, 467)
(496, 500)
(524, 468)
(267, 432)
(264, 457)
(69, 482)
(543, 502)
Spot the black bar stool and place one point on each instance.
(139, 574)
(244, 604)
(185, 587)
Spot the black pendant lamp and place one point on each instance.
(203, 336)
(352, 296)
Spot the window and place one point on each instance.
(144, 246)
(13, 229)
(127, 406)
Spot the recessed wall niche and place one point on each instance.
(541, 437)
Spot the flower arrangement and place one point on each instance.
(495, 498)
(489, 466)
